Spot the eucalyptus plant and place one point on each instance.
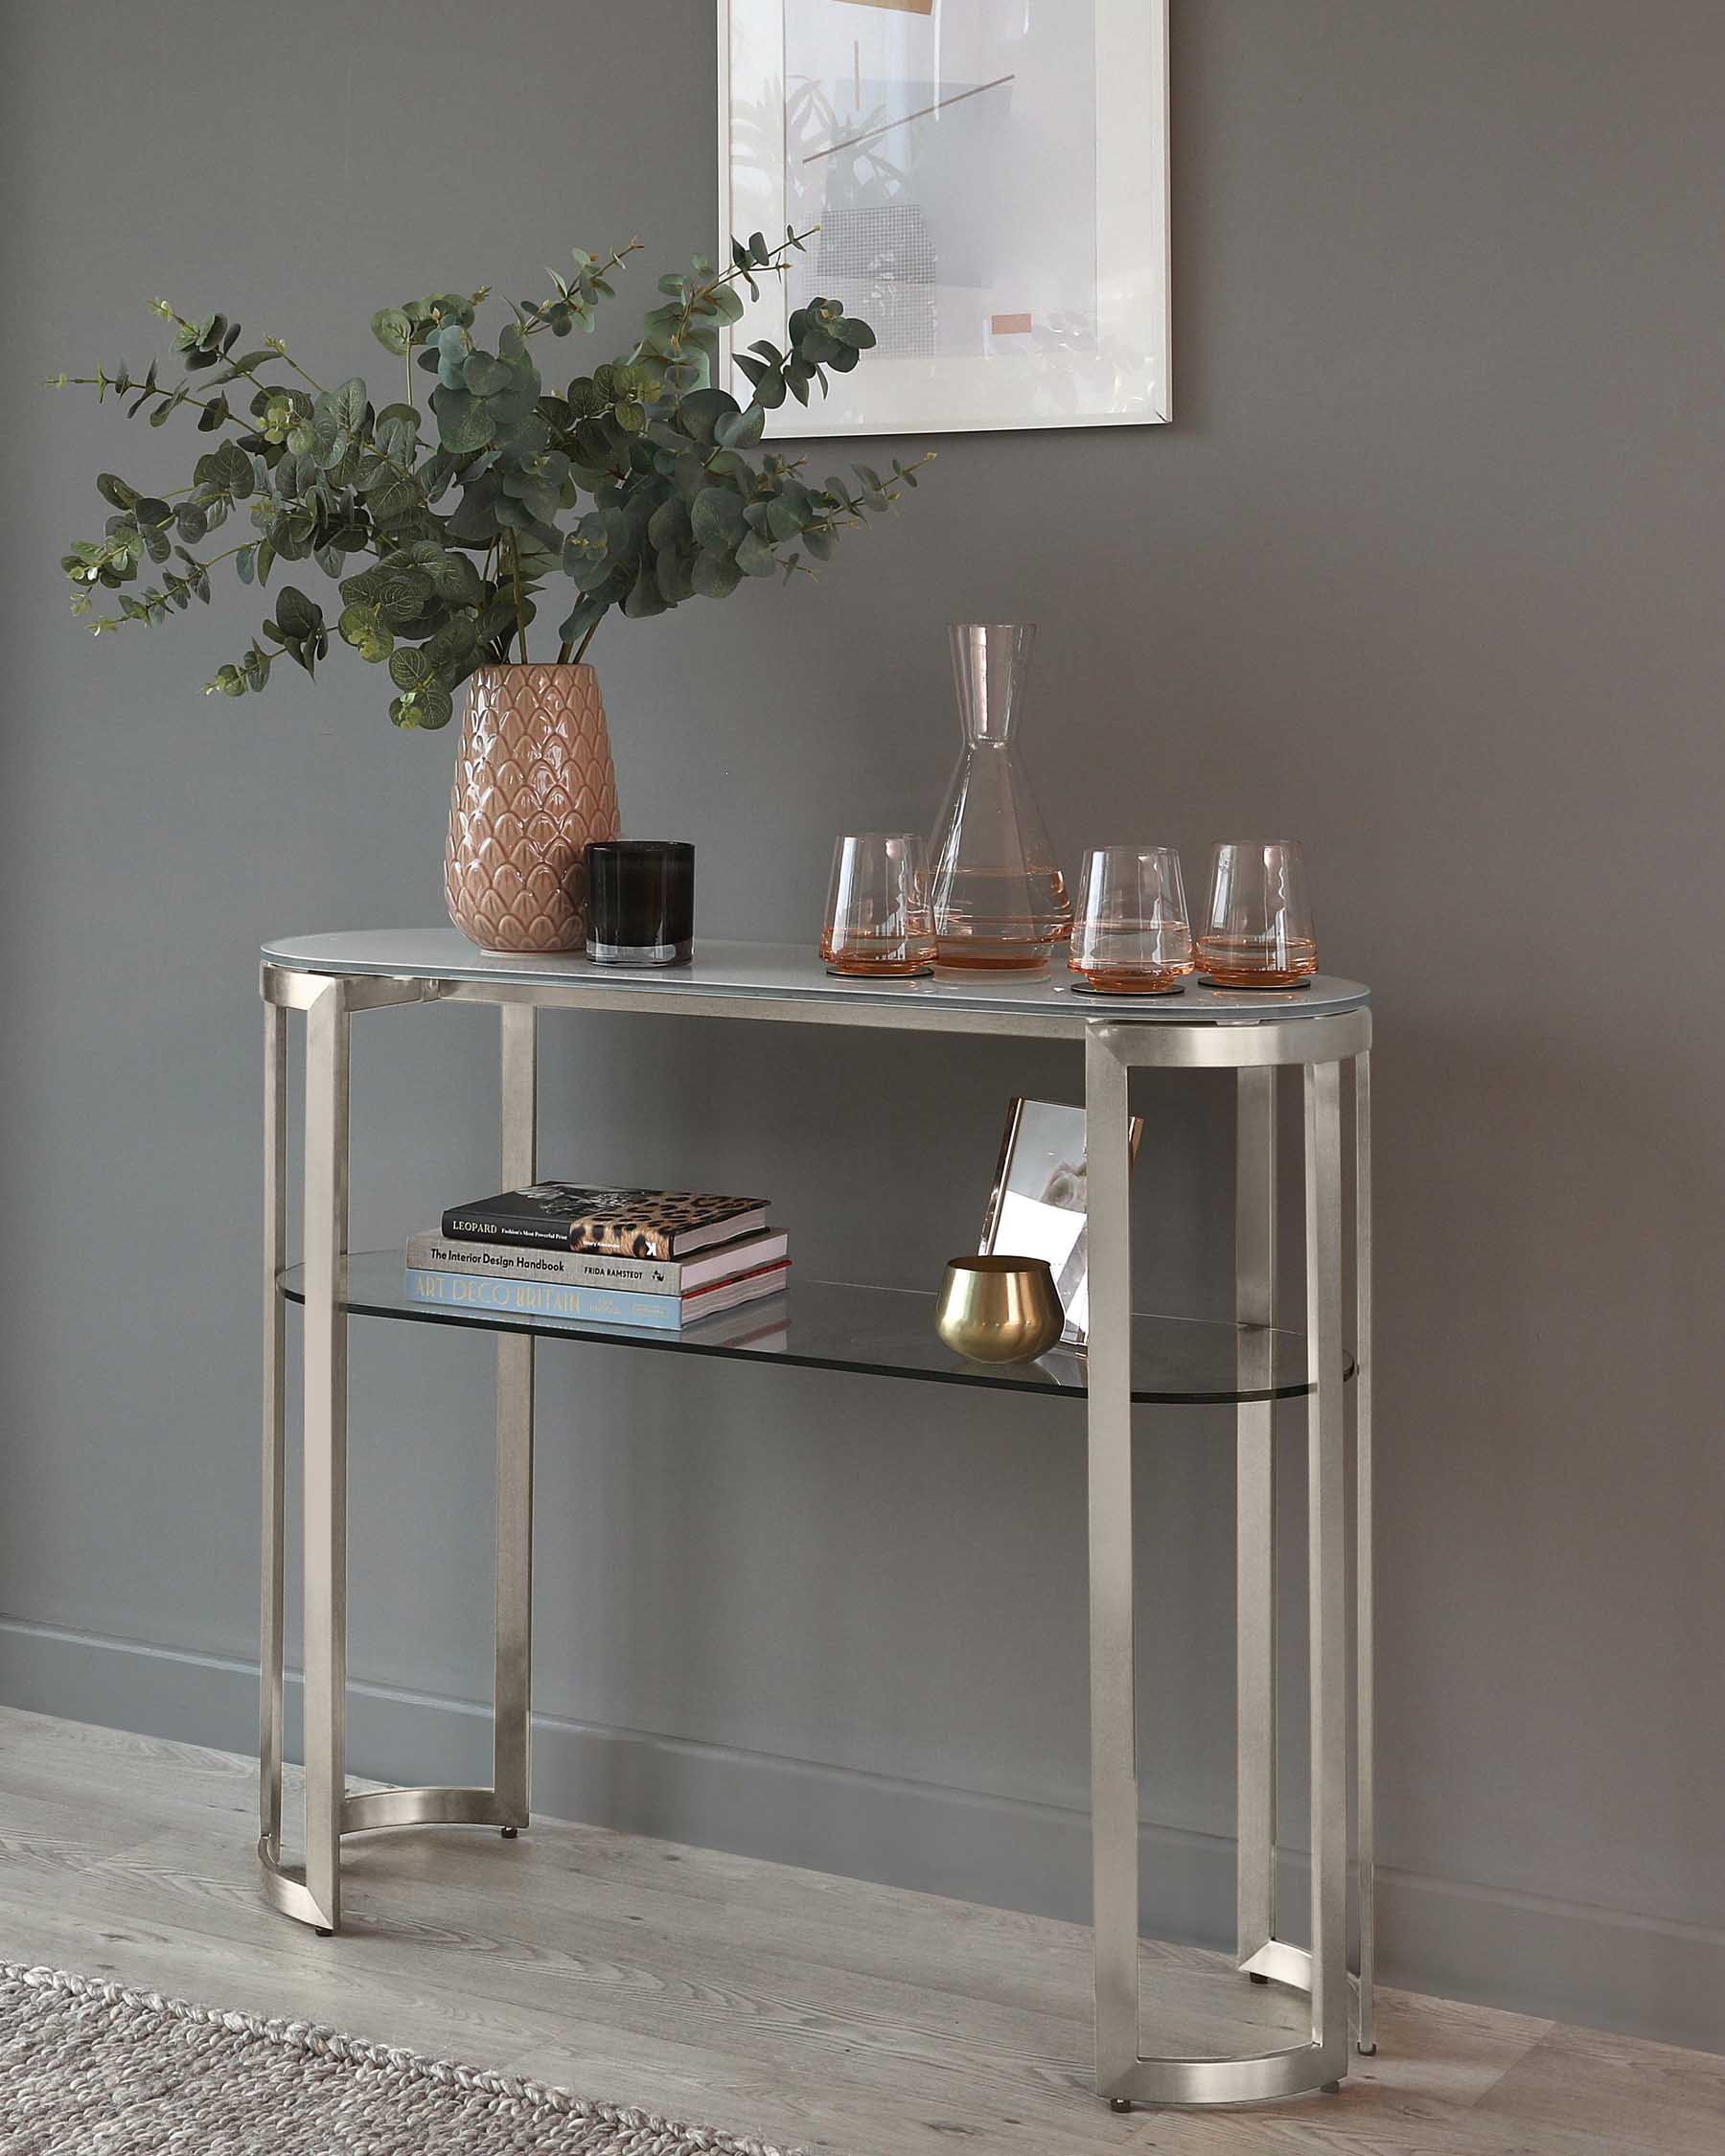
(445, 526)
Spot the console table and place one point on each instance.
(1131, 1359)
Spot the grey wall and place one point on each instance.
(1428, 572)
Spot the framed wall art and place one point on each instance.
(989, 182)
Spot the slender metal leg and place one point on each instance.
(1255, 1575)
(1366, 1824)
(510, 1726)
(275, 1367)
(1326, 1531)
(327, 1035)
(1114, 1742)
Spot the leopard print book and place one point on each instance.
(640, 1224)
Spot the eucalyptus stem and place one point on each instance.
(283, 353)
(521, 602)
(617, 257)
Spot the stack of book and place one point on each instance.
(661, 1259)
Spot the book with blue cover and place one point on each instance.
(489, 1295)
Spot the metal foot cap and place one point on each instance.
(509, 1833)
(321, 1933)
(1332, 2087)
(1367, 2050)
(1258, 1976)
(1119, 2103)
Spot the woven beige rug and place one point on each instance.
(90, 2069)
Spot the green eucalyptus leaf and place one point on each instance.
(392, 501)
(400, 595)
(784, 519)
(474, 520)
(755, 558)
(716, 516)
(740, 431)
(645, 598)
(455, 579)
(350, 405)
(409, 667)
(484, 376)
(716, 574)
(454, 643)
(670, 526)
(704, 409)
(393, 328)
(396, 434)
(296, 615)
(675, 571)
(463, 422)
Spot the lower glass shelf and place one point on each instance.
(884, 1332)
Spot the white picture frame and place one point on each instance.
(1093, 348)
(1039, 1204)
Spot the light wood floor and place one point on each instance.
(809, 2010)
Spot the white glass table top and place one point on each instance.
(774, 971)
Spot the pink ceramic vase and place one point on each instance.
(533, 783)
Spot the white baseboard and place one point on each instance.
(1600, 1967)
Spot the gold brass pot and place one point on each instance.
(998, 1308)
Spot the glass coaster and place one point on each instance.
(919, 972)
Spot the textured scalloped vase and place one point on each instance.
(533, 783)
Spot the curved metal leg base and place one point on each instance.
(1168, 2083)
(284, 1890)
(432, 1805)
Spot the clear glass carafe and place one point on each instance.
(998, 898)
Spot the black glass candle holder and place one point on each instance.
(641, 901)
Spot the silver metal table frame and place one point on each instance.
(1212, 1033)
